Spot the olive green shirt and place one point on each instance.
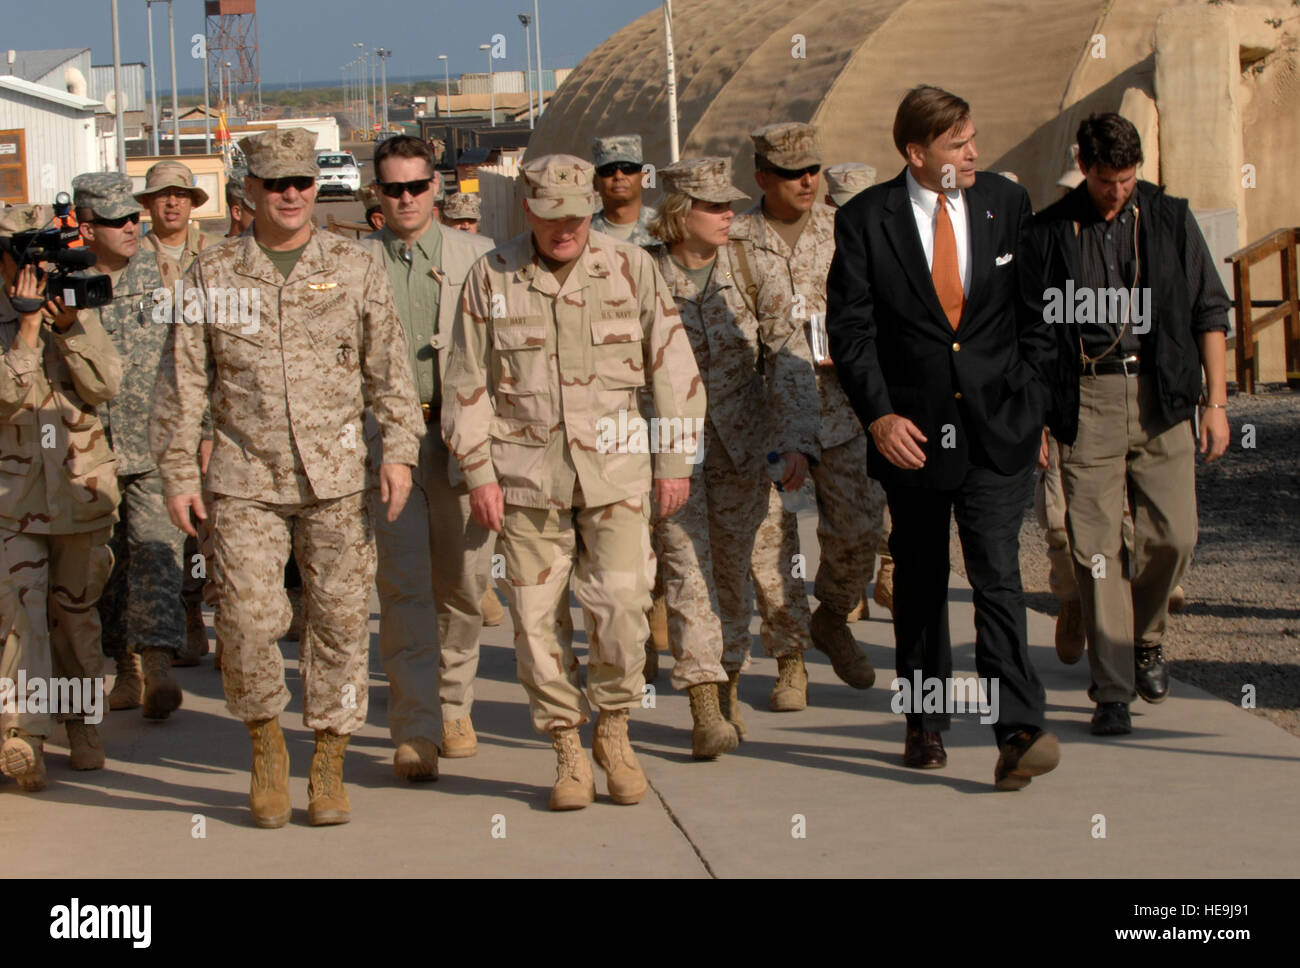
(415, 274)
(283, 261)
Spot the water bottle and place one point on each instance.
(792, 500)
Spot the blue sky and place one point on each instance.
(315, 37)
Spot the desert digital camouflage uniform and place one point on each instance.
(622, 147)
(58, 495)
(850, 506)
(287, 392)
(847, 179)
(640, 231)
(705, 547)
(535, 365)
(459, 205)
(435, 560)
(140, 607)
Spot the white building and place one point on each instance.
(53, 133)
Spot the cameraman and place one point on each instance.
(141, 608)
(58, 502)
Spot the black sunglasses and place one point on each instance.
(793, 174)
(626, 167)
(300, 183)
(117, 223)
(397, 189)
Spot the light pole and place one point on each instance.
(365, 115)
(528, 75)
(176, 110)
(537, 40)
(446, 73)
(221, 88)
(671, 81)
(119, 126)
(230, 88)
(207, 106)
(153, 83)
(383, 54)
(492, 88)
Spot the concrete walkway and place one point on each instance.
(1201, 788)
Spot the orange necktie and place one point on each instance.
(944, 272)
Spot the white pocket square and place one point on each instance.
(1004, 259)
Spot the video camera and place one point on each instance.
(59, 243)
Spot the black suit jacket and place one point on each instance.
(981, 390)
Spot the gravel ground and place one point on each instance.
(1242, 620)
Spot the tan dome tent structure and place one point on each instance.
(1212, 88)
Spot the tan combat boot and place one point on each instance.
(327, 801)
(831, 635)
(659, 623)
(884, 595)
(1069, 632)
(651, 668)
(416, 759)
(86, 751)
(729, 701)
(162, 696)
(490, 608)
(268, 796)
(458, 738)
(196, 637)
(861, 611)
(22, 758)
(613, 752)
(712, 735)
(575, 787)
(790, 692)
(128, 686)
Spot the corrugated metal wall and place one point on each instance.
(56, 78)
(60, 142)
(133, 85)
(508, 82)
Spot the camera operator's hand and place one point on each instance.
(61, 317)
(27, 287)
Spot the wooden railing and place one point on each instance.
(1283, 242)
(340, 227)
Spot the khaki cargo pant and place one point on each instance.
(334, 545)
(435, 563)
(1114, 455)
(51, 586)
(606, 551)
(707, 593)
(850, 524)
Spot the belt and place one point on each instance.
(432, 414)
(1128, 365)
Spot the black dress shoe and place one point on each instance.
(924, 750)
(1111, 719)
(1023, 755)
(1152, 673)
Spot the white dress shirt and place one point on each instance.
(925, 208)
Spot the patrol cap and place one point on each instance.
(23, 218)
(1071, 177)
(460, 205)
(171, 174)
(370, 197)
(558, 186)
(106, 193)
(235, 194)
(845, 180)
(787, 144)
(616, 147)
(284, 153)
(708, 179)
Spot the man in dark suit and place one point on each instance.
(941, 346)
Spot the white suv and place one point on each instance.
(339, 174)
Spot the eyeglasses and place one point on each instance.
(626, 167)
(397, 189)
(793, 174)
(117, 223)
(278, 186)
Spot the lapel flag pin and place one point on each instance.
(988, 214)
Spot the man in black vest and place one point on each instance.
(1140, 313)
(938, 337)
